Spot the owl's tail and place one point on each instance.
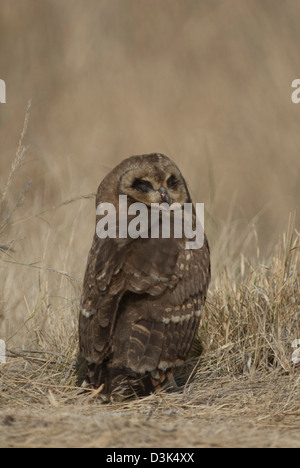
(121, 384)
(126, 384)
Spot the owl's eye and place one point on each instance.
(172, 182)
(142, 185)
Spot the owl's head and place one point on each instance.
(149, 178)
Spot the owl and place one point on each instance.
(142, 295)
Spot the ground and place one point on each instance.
(258, 410)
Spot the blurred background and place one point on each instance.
(207, 82)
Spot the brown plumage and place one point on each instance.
(141, 299)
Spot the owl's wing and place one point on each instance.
(142, 299)
(162, 324)
(103, 287)
(116, 267)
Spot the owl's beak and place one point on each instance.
(164, 195)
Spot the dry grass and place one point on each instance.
(207, 83)
(244, 411)
(240, 387)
